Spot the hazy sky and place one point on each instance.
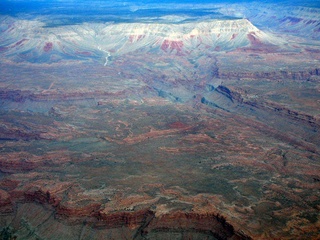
(82, 7)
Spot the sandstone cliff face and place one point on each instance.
(144, 223)
(214, 225)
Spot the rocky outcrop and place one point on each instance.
(240, 96)
(211, 224)
(15, 134)
(67, 203)
(6, 205)
(135, 219)
(233, 95)
(211, 103)
(77, 210)
(11, 163)
(279, 109)
(144, 223)
(168, 95)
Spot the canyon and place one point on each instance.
(204, 128)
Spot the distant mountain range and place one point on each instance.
(30, 38)
(294, 20)
(24, 40)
